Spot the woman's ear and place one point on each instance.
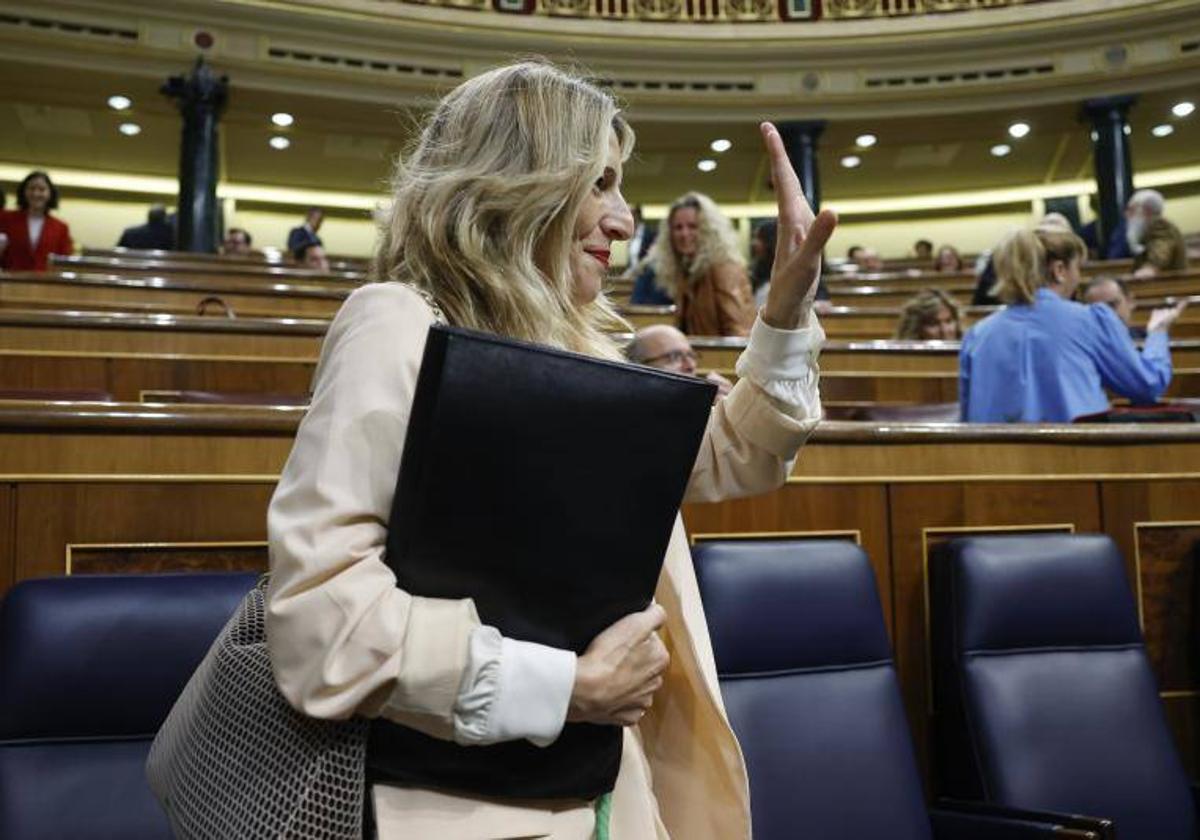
(1058, 271)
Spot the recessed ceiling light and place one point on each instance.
(119, 102)
(720, 146)
(1128, 130)
(1163, 130)
(865, 141)
(130, 129)
(279, 143)
(1018, 130)
(1095, 136)
(706, 165)
(851, 161)
(1001, 149)
(1183, 109)
(283, 120)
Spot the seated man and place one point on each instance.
(313, 256)
(667, 348)
(158, 234)
(1157, 245)
(1114, 293)
(237, 242)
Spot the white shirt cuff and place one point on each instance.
(783, 363)
(513, 690)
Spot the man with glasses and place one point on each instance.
(667, 348)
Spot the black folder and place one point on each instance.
(544, 485)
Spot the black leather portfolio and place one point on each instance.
(544, 485)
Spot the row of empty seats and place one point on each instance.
(1047, 715)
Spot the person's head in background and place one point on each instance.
(869, 260)
(1028, 260)
(853, 253)
(37, 193)
(1112, 292)
(931, 315)
(664, 347)
(695, 237)
(157, 215)
(923, 250)
(762, 252)
(948, 259)
(237, 241)
(1142, 209)
(313, 257)
(314, 217)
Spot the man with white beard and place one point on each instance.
(1157, 245)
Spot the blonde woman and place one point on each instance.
(1044, 358)
(502, 219)
(932, 315)
(697, 261)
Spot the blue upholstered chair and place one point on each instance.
(1044, 695)
(89, 668)
(807, 677)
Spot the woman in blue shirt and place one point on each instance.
(1046, 359)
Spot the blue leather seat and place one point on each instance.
(807, 677)
(1043, 691)
(89, 668)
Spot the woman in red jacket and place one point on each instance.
(32, 233)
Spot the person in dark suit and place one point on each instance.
(31, 233)
(300, 238)
(158, 234)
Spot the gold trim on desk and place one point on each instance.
(151, 545)
(1137, 581)
(852, 533)
(962, 479)
(1068, 527)
(136, 478)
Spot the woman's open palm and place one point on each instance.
(800, 241)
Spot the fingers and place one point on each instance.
(644, 624)
(789, 195)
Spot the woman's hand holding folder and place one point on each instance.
(616, 677)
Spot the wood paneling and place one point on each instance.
(51, 515)
(155, 558)
(8, 534)
(805, 508)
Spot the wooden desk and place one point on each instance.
(121, 332)
(209, 270)
(172, 294)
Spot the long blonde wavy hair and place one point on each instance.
(1023, 260)
(717, 244)
(484, 206)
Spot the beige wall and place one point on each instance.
(894, 238)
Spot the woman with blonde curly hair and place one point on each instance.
(932, 315)
(502, 220)
(698, 262)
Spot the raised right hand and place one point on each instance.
(617, 675)
(1162, 319)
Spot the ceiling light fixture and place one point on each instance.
(1163, 130)
(1018, 130)
(865, 141)
(851, 161)
(279, 143)
(720, 146)
(706, 165)
(1183, 109)
(283, 120)
(1001, 149)
(1128, 129)
(119, 103)
(130, 129)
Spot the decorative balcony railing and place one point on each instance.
(725, 11)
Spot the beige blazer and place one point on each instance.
(344, 640)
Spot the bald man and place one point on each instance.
(1157, 245)
(1116, 294)
(666, 348)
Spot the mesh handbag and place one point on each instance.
(234, 759)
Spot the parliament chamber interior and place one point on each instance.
(971, 606)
